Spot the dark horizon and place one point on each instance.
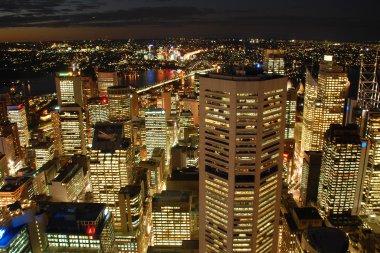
(43, 20)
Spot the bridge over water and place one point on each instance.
(174, 79)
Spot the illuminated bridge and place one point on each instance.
(190, 71)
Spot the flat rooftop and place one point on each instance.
(64, 216)
(241, 77)
(307, 213)
(172, 197)
(67, 172)
(108, 137)
(326, 239)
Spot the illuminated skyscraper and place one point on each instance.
(98, 111)
(371, 197)
(290, 117)
(79, 227)
(324, 103)
(105, 80)
(311, 115)
(156, 130)
(119, 101)
(274, 62)
(17, 114)
(44, 152)
(343, 171)
(186, 120)
(241, 151)
(69, 88)
(72, 130)
(171, 217)
(111, 163)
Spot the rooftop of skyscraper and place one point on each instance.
(242, 75)
(66, 217)
(109, 137)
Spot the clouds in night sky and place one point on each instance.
(334, 19)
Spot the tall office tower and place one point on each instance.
(171, 217)
(119, 101)
(98, 110)
(371, 196)
(274, 62)
(68, 184)
(72, 130)
(193, 106)
(56, 134)
(105, 80)
(135, 109)
(311, 170)
(111, 163)
(89, 88)
(241, 151)
(69, 88)
(324, 103)
(166, 103)
(17, 114)
(186, 120)
(290, 117)
(78, 227)
(311, 115)
(156, 130)
(131, 200)
(43, 152)
(343, 171)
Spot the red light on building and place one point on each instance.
(104, 101)
(90, 231)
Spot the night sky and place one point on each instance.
(337, 20)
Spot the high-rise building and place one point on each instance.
(371, 196)
(105, 80)
(324, 103)
(15, 239)
(133, 222)
(193, 106)
(290, 117)
(68, 184)
(343, 171)
(43, 152)
(171, 217)
(119, 101)
(156, 130)
(111, 163)
(165, 103)
(311, 170)
(186, 120)
(79, 227)
(274, 62)
(17, 114)
(69, 88)
(98, 110)
(72, 130)
(241, 151)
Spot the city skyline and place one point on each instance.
(43, 20)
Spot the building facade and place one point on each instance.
(241, 151)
